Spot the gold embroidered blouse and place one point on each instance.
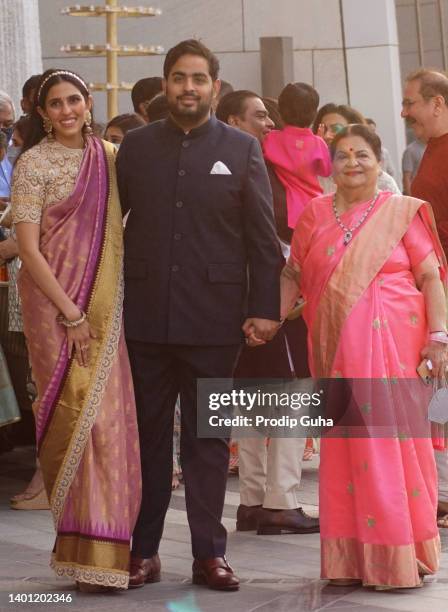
(43, 175)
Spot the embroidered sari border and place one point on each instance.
(389, 565)
(92, 537)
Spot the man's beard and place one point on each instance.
(190, 116)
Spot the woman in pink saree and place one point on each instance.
(69, 230)
(371, 269)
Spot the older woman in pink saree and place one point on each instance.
(371, 269)
(69, 231)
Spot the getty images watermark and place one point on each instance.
(248, 401)
(337, 407)
(245, 408)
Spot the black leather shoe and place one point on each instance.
(275, 522)
(215, 573)
(143, 571)
(247, 517)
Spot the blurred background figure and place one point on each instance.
(271, 105)
(386, 160)
(269, 470)
(7, 117)
(226, 88)
(119, 125)
(412, 156)
(143, 92)
(330, 120)
(299, 157)
(28, 92)
(157, 109)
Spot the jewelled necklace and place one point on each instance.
(348, 231)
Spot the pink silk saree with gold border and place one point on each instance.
(367, 320)
(86, 424)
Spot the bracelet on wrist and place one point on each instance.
(439, 336)
(67, 323)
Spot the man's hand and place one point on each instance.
(8, 249)
(262, 329)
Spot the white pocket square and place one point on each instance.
(219, 168)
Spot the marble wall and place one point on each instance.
(20, 45)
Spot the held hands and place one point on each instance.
(259, 331)
(78, 338)
(437, 353)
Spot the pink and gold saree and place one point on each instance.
(86, 424)
(367, 320)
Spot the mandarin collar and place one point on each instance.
(195, 132)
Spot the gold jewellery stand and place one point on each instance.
(111, 50)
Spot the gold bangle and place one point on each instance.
(66, 323)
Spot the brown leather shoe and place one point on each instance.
(143, 571)
(247, 517)
(215, 573)
(275, 522)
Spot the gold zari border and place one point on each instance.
(94, 561)
(379, 564)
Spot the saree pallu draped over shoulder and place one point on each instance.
(367, 320)
(86, 425)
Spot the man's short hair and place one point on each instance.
(6, 101)
(191, 47)
(234, 103)
(30, 85)
(157, 109)
(298, 104)
(145, 90)
(225, 89)
(432, 83)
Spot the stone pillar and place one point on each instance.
(277, 64)
(373, 68)
(20, 48)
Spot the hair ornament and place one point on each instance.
(61, 73)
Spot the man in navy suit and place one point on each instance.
(201, 271)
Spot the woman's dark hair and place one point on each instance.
(274, 112)
(364, 132)
(350, 114)
(157, 109)
(298, 104)
(50, 77)
(191, 47)
(126, 122)
(233, 103)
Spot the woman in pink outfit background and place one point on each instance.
(298, 156)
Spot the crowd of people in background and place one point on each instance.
(263, 238)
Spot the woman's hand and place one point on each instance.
(437, 353)
(78, 338)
